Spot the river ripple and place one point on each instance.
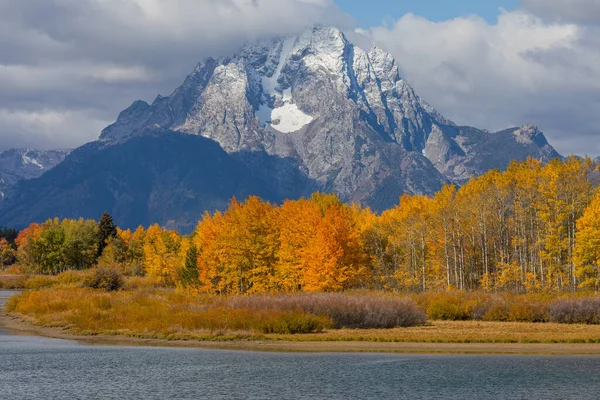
(32, 367)
(40, 368)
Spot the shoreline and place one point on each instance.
(18, 327)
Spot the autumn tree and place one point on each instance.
(407, 227)
(8, 255)
(125, 252)
(49, 249)
(162, 254)
(566, 190)
(238, 248)
(374, 242)
(587, 246)
(333, 259)
(80, 245)
(298, 221)
(56, 246)
(27, 255)
(443, 225)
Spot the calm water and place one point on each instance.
(38, 368)
(4, 295)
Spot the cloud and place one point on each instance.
(65, 62)
(46, 128)
(571, 10)
(523, 68)
(68, 67)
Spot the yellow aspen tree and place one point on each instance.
(238, 248)
(162, 257)
(334, 261)
(210, 264)
(587, 247)
(298, 221)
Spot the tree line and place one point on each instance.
(531, 228)
(57, 246)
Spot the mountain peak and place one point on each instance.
(273, 82)
(324, 37)
(530, 134)
(529, 127)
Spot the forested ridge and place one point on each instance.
(531, 228)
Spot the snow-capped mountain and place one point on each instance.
(305, 113)
(17, 165)
(344, 114)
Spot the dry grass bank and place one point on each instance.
(464, 332)
(12, 282)
(168, 315)
(154, 313)
(327, 341)
(67, 279)
(565, 308)
(171, 314)
(35, 282)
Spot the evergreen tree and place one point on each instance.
(107, 230)
(9, 234)
(190, 269)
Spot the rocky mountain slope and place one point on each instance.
(22, 164)
(461, 152)
(304, 113)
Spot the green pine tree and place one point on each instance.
(190, 269)
(107, 231)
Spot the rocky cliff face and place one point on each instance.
(462, 152)
(17, 165)
(314, 112)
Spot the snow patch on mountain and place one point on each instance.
(270, 83)
(28, 160)
(289, 118)
(286, 118)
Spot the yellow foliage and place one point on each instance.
(163, 258)
(587, 246)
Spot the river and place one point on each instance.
(40, 368)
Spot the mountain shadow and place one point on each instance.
(160, 177)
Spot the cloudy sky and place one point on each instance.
(67, 67)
